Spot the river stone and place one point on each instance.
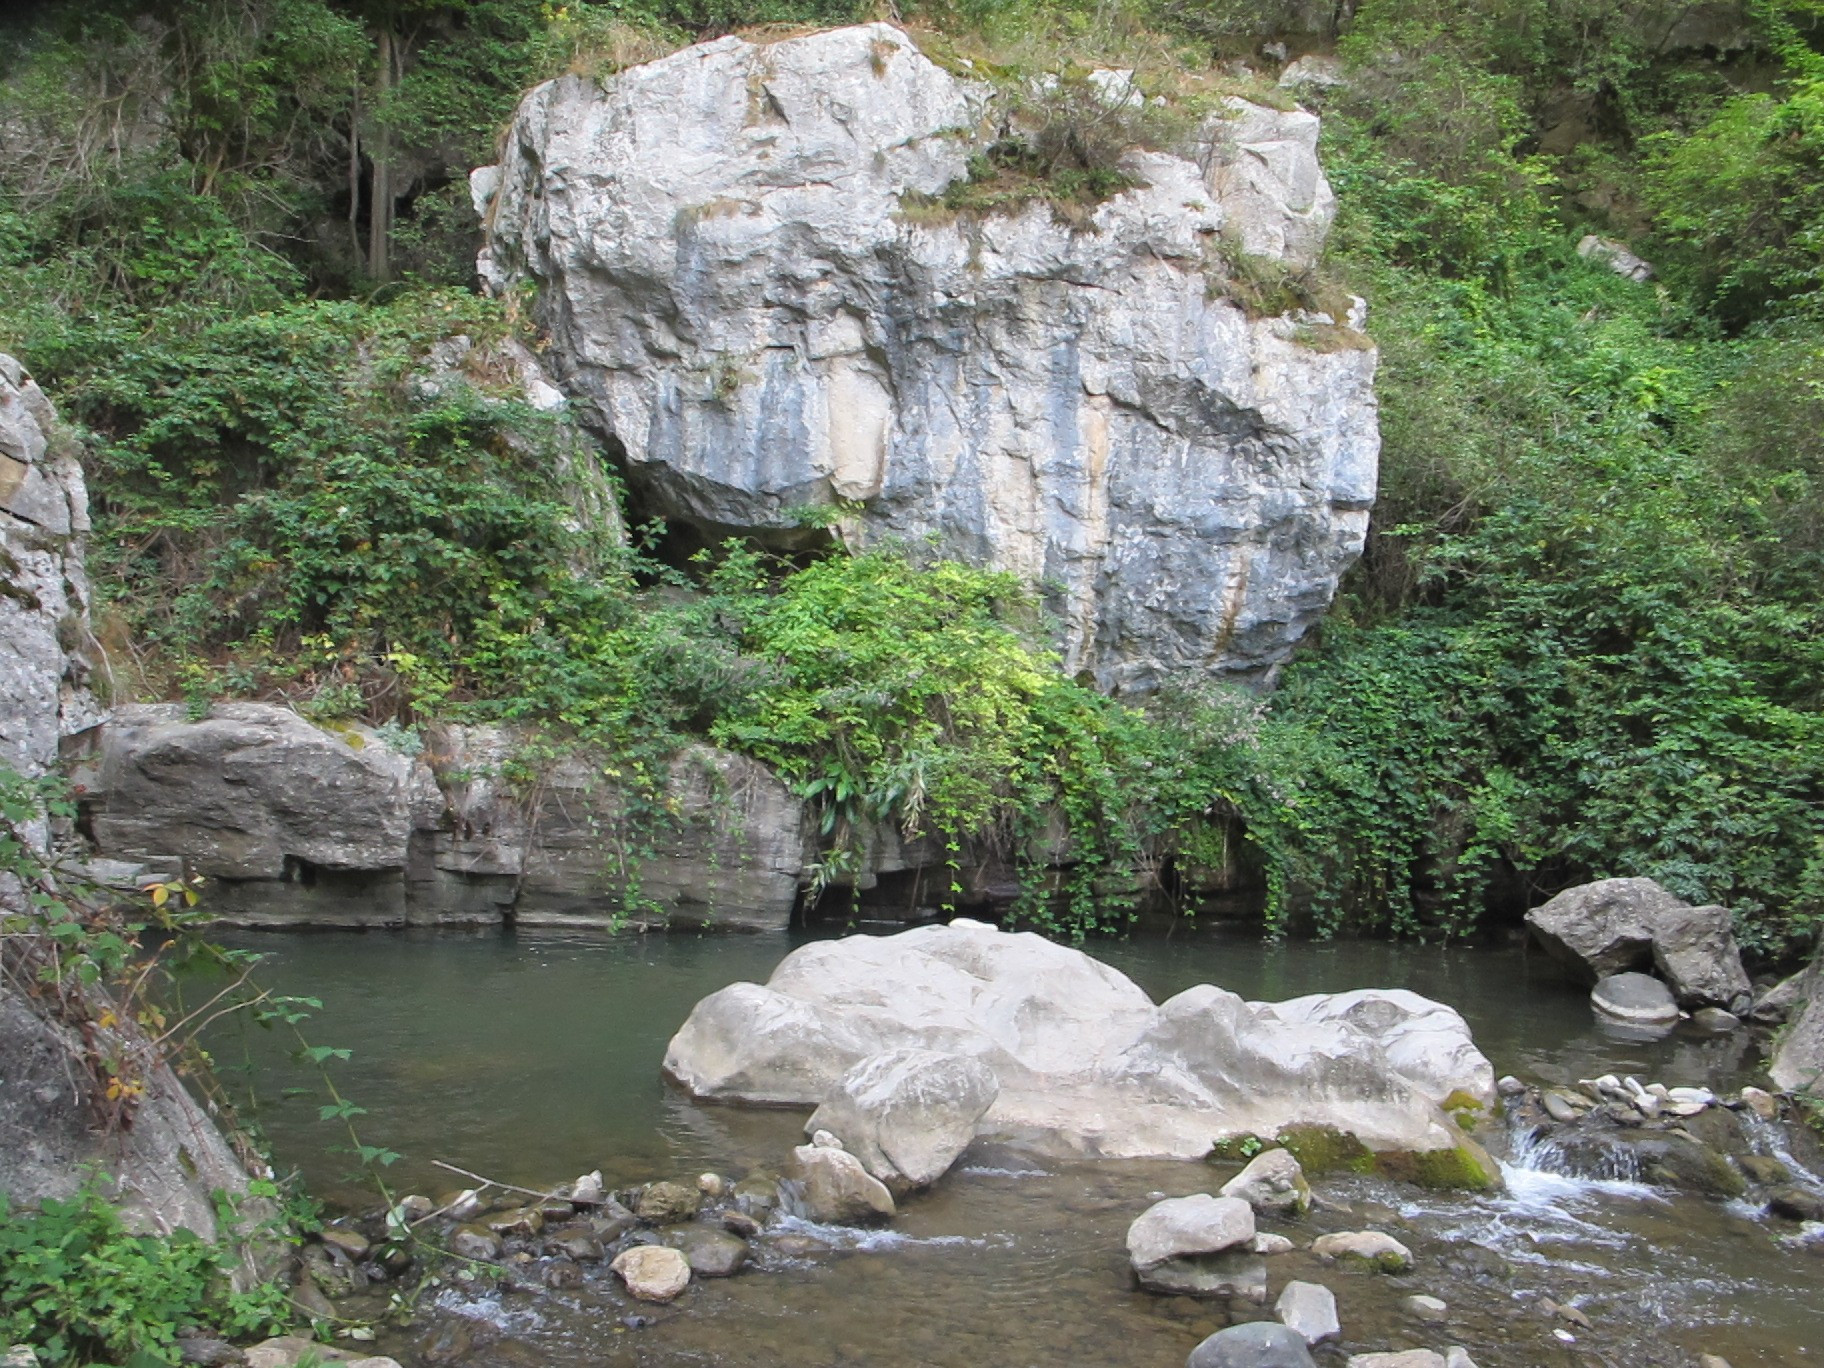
(1559, 1107)
(653, 1273)
(907, 1113)
(1458, 1357)
(1778, 1002)
(1310, 1309)
(1272, 1181)
(1267, 1243)
(1370, 1247)
(559, 1274)
(1257, 1344)
(710, 1252)
(1236, 1273)
(474, 1242)
(667, 1203)
(1086, 1065)
(1796, 1204)
(589, 1190)
(1405, 1358)
(515, 1223)
(24, 1356)
(1715, 1020)
(202, 1350)
(1614, 926)
(350, 1242)
(1763, 1170)
(1071, 403)
(578, 1242)
(287, 1351)
(1198, 1224)
(834, 1188)
(1639, 999)
(1429, 1310)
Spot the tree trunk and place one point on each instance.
(380, 200)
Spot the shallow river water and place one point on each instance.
(533, 1057)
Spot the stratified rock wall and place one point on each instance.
(167, 1162)
(44, 625)
(300, 824)
(735, 289)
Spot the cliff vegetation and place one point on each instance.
(1585, 640)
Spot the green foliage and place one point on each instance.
(80, 1289)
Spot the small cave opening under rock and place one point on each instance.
(673, 537)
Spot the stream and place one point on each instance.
(534, 1056)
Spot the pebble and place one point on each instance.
(1265, 1242)
(711, 1184)
(1458, 1357)
(1371, 1246)
(350, 1242)
(1762, 1103)
(589, 1190)
(1509, 1086)
(1711, 1361)
(1559, 1108)
(1716, 1020)
(1430, 1310)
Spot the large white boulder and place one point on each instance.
(747, 301)
(908, 1113)
(1085, 1063)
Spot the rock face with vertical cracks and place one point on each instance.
(745, 298)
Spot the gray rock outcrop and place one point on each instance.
(908, 1113)
(299, 823)
(162, 1155)
(44, 625)
(1085, 1063)
(1798, 1059)
(1613, 926)
(752, 300)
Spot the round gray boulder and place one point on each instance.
(1638, 999)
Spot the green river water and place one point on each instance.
(533, 1057)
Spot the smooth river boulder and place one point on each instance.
(829, 1185)
(1615, 926)
(1256, 1344)
(756, 298)
(908, 1113)
(1085, 1063)
(1638, 999)
(1272, 1181)
(1198, 1224)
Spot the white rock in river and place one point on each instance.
(1310, 1309)
(908, 1113)
(1272, 1181)
(741, 303)
(1085, 1062)
(653, 1272)
(1181, 1226)
(830, 1186)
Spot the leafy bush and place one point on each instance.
(78, 1287)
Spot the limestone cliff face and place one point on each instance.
(740, 302)
(44, 515)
